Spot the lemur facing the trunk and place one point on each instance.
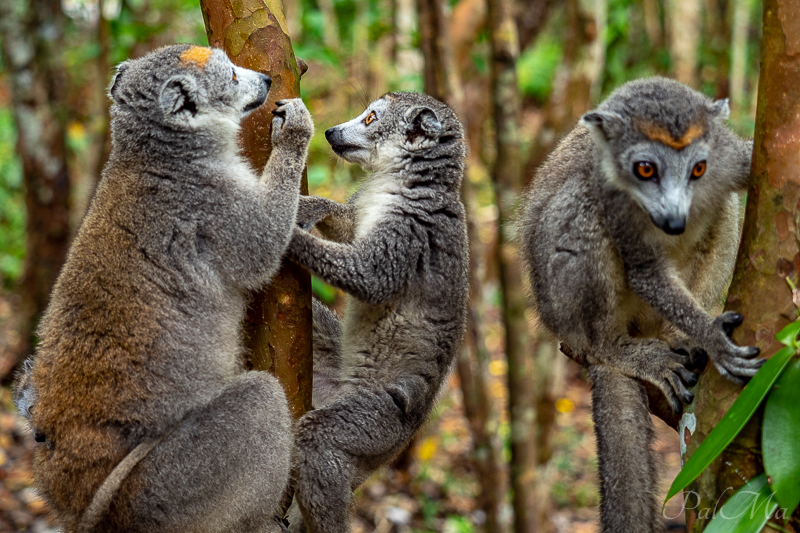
(630, 231)
(137, 386)
(402, 258)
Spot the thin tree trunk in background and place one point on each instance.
(684, 42)
(442, 81)
(278, 328)
(719, 31)
(738, 79)
(530, 16)
(652, 23)
(768, 256)
(32, 39)
(507, 179)
(100, 122)
(330, 27)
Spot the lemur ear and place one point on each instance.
(606, 124)
(114, 85)
(179, 95)
(720, 109)
(424, 118)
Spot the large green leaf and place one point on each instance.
(788, 335)
(747, 511)
(733, 421)
(781, 437)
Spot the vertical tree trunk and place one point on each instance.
(741, 23)
(442, 81)
(278, 330)
(33, 38)
(507, 179)
(768, 257)
(684, 22)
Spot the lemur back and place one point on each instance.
(402, 258)
(630, 231)
(141, 341)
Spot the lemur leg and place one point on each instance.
(228, 467)
(336, 448)
(624, 429)
(327, 342)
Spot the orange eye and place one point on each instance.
(370, 118)
(235, 78)
(698, 170)
(644, 170)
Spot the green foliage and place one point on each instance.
(537, 68)
(12, 204)
(781, 437)
(747, 511)
(740, 412)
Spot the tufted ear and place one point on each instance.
(114, 86)
(424, 120)
(607, 125)
(179, 95)
(720, 109)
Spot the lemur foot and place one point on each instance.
(736, 363)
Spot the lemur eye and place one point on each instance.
(644, 170)
(235, 79)
(371, 117)
(698, 170)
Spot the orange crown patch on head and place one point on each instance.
(197, 55)
(654, 132)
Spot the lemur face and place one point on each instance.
(391, 127)
(662, 148)
(189, 88)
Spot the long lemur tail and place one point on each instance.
(629, 477)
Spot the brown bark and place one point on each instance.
(507, 180)
(33, 39)
(769, 254)
(684, 21)
(278, 325)
(442, 81)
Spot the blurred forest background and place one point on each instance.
(510, 446)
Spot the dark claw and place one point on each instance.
(688, 397)
(279, 113)
(753, 351)
(281, 102)
(731, 322)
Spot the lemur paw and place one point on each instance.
(673, 372)
(736, 363)
(292, 122)
(311, 210)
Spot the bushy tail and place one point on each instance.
(629, 477)
(327, 341)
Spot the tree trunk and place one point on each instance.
(738, 80)
(33, 39)
(278, 323)
(442, 81)
(684, 21)
(769, 255)
(507, 180)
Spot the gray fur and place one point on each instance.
(403, 263)
(628, 299)
(141, 340)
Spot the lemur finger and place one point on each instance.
(698, 360)
(687, 376)
(670, 393)
(680, 390)
(279, 112)
(729, 321)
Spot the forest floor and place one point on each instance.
(433, 492)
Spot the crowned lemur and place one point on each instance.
(137, 388)
(399, 250)
(630, 231)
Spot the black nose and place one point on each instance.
(674, 226)
(329, 133)
(266, 80)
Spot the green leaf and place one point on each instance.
(788, 335)
(733, 421)
(781, 437)
(747, 511)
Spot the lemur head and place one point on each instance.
(667, 146)
(187, 88)
(397, 126)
